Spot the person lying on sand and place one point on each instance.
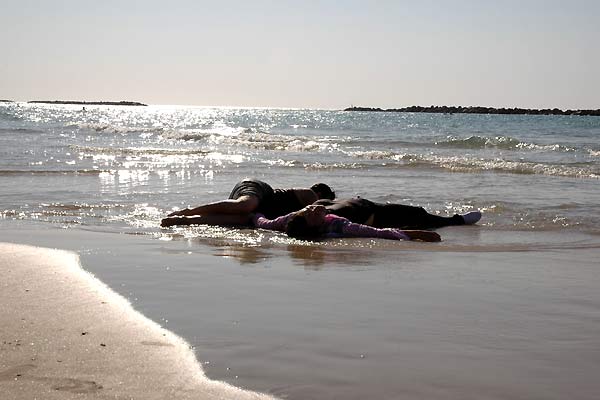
(389, 215)
(314, 222)
(247, 197)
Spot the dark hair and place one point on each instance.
(323, 191)
(298, 228)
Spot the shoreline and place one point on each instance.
(66, 334)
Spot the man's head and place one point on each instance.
(323, 191)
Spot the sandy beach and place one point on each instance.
(67, 335)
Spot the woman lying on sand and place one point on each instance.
(314, 222)
(247, 197)
(253, 196)
(389, 215)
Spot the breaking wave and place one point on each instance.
(115, 129)
(389, 159)
(497, 142)
(467, 164)
(258, 140)
(137, 151)
(6, 172)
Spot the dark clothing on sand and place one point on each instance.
(357, 210)
(271, 202)
(251, 187)
(387, 215)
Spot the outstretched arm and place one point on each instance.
(358, 230)
(222, 219)
(277, 224)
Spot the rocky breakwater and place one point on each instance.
(478, 110)
(89, 103)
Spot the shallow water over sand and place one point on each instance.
(368, 320)
(123, 168)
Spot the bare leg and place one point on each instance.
(241, 205)
(217, 219)
(410, 217)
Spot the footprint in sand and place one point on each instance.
(73, 385)
(15, 372)
(60, 384)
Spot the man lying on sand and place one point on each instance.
(247, 197)
(253, 196)
(314, 222)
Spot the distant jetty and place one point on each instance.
(478, 110)
(6, 101)
(90, 103)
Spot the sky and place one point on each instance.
(304, 54)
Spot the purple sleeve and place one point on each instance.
(358, 230)
(277, 224)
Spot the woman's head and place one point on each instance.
(307, 223)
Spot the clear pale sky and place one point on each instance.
(316, 54)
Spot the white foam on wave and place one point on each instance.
(215, 134)
(467, 163)
(255, 139)
(136, 151)
(499, 142)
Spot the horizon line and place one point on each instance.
(80, 102)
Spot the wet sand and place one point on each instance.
(484, 314)
(66, 335)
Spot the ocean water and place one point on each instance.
(122, 168)
(508, 308)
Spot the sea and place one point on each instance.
(110, 173)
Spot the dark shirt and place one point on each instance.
(357, 210)
(283, 201)
(271, 202)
